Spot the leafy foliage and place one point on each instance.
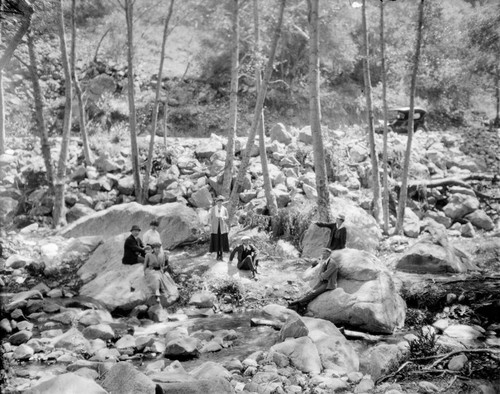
(229, 290)
(425, 344)
(429, 296)
(291, 224)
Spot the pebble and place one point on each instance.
(458, 362)
(428, 387)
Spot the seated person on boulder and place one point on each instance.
(247, 256)
(155, 273)
(152, 236)
(338, 233)
(327, 281)
(134, 251)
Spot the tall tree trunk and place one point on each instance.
(270, 198)
(233, 201)
(39, 107)
(60, 184)
(385, 199)
(164, 122)
(2, 101)
(2, 116)
(404, 182)
(149, 163)
(497, 117)
(81, 105)
(134, 155)
(26, 10)
(315, 114)
(377, 208)
(233, 101)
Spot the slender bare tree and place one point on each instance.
(58, 213)
(404, 182)
(315, 114)
(233, 101)
(25, 10)
(233, 201)
(39, 108)
(134, 155)
(385, 199)
(270, 197)
(149, 164)
(79, 95)
(377, 208)
(2, 101)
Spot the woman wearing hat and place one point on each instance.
(133, 249)
(158, 281)
(152, 236)
(219, 241)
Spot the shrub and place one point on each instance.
(227, 289)
(430, 296)
(291, 224)
(424, 345)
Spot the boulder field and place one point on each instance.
(73, 306)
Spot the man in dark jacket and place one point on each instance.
(338, 233)
(134, 251)
(247, 256)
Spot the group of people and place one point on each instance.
(219, 242)
(329, 270)
(149, 252)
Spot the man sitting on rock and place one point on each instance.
(327, 281)
(338, 233)
(247, 254)
(134, 251)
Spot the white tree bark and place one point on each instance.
(233, 101)
(404, 181)
(315, 114)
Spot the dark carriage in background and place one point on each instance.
(398, 120)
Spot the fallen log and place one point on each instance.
(264, 322)
(456, 181)
(447, 355)
(415, 186)
(360, 335)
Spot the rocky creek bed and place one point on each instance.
(411, 314)
(59, 338)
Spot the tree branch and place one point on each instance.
(26, 10)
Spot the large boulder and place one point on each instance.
(434, 254)
(334, 350)
(411, 224)
(109, 281)
(365, 298)
(207, 148)
(481, 220)
(68, 383)
(124, 378)
(460, 205)
(203, 386)
(8, 209)
(378, 360)
(178, 223)
(302, 354)
(278, 133)
(362, 230)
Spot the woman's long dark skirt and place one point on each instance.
(219, 242)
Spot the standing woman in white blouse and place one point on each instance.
(219, 241)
